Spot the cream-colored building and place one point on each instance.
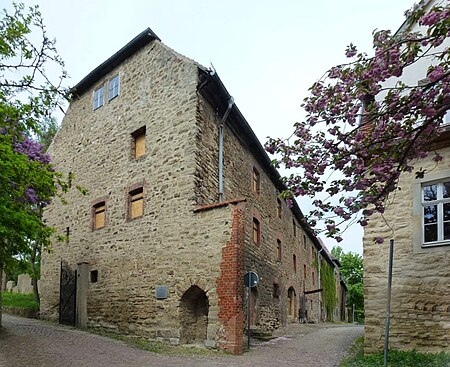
(418, 219)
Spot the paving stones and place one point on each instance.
(35, 343)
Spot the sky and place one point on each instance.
(267, 53)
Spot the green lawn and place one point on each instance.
(396, 358)
(19, 300)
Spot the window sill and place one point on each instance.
(140, 158)
(436, 244)
(133, 219)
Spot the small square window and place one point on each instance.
(99, 214)
(139, 142)
(256, 231)
(99, 97)
(94, 276)
(256, 185)
(114, 86)
(136, 203)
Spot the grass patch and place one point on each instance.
(19, 300)
(396, 358)
(159, 347)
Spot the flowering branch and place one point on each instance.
(365, 125)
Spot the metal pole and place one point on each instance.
(388, 312)
(248, 316)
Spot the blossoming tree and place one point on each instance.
(362, 130)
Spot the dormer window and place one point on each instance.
(99, 97)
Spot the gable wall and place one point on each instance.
(169, 245)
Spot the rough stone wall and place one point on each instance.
(420, 307)
(271, 312)
(169, 245)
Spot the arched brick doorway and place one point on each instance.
(292, 304)
(194, 307)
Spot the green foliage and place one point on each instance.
(328, 284)
(395, 358)
(28, 97)
(19, 300)
(352, 271)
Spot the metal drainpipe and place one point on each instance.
(318, 282)
(222, 122)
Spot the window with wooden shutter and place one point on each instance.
(99, 215)
(279, 208)
(279, 254)
(139, 142)
(136, 204)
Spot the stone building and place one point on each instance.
(417, 221)
(183, 200)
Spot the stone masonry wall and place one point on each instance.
(271, 312)
(420, 307)
(169, 245)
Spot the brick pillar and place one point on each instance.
(230, 285)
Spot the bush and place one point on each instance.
(395, 358)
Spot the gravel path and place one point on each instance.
(33, 343)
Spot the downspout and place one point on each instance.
(222, 122)
(318, 282)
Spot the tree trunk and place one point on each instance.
(33, 272)
(4, 280)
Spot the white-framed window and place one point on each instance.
(446, 119)
(99, 97)
(114, 87)
(436, 213)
